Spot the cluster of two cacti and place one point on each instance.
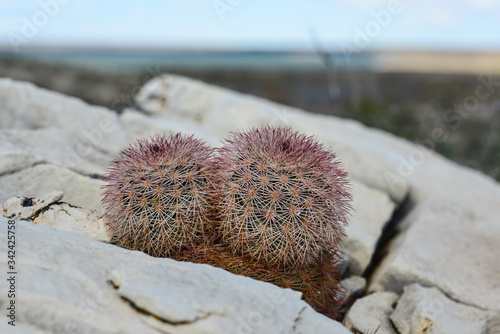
(270, 204)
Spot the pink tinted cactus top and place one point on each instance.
(281, 196)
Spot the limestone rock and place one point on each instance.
(428, 310)
(451, 246)
(354, 285)
(66, 217)
(57, 128)
(41, 179)
(24, 207)
(372, 311)
(39, 127)
(14, 161)
(93, 287)
(61, 216)
(311, 322)
(372, 209)
(142, 126)
(49, 146)
(172, 94)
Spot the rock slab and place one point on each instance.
(448, 245)
(371, 313)
(105, 289)
(428, 310)
(372, 209)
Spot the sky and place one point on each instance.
(253, 24)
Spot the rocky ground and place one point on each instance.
(421, 247)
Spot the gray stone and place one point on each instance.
(142, 126)
(311, 322)
(69, 218)
(14, 161)
(449, 245)
(371, 312)
(23, 207)
(50, 145)
(20, 329)
(42, 127)
(41, 179)
(428, 310)
(372, 209)
(354, 285)
(58, 128)
(171, 95)
(55, 146)
(93, 287)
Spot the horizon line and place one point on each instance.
(150, 49)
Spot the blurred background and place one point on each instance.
(428, 71)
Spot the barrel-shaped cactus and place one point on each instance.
(282, 197)
(157, 194)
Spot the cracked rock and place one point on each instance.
(14, 161)
(94, 287)
(354, 286)
(25, 207)
(451, 246)
(370, 312)
(41, 179)
(428, 310)
(68, 218)
(372, 209)
(310, 322)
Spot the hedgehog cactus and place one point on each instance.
(281, 196)
(157, 194)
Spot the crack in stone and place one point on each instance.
(96, 176)
(492, 323)
(447, 295)
(24, 168)
(149, 313)
(159, 318)
(389, 232)
(298, 318)
(37, 213)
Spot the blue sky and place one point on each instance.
(253, 24)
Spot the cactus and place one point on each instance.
(271, 205)
(282, 197)
(157, 194)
